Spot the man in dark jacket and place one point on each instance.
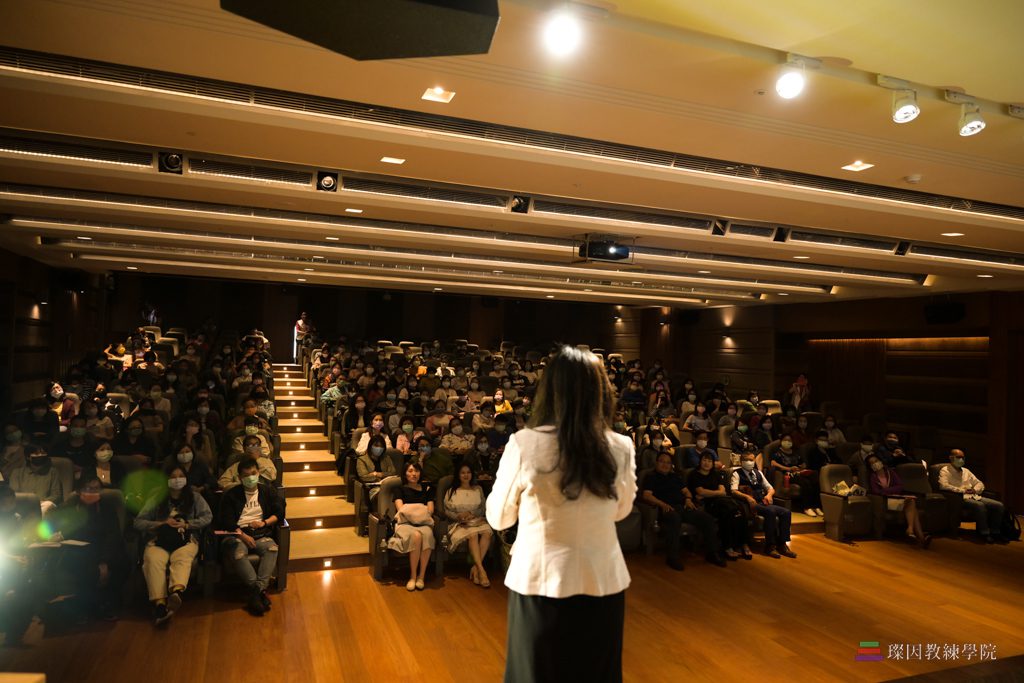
(248, 514)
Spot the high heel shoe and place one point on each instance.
(474, 575)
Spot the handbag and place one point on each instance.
(895, 504)
(170, 539)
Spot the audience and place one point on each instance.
(751, 486)
(707, 485)
(41, 478)
(464, 508)
(884, 481)
(414, 524)
(987, 512)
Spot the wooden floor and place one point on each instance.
(697, 625)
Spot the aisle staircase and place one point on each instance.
(322, 521)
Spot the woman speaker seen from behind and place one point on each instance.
(566, 479)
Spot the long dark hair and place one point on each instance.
(575, 396)
(186, 501)
(457, 481)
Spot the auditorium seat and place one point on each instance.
(380, 555)
(66, 473)
(932, 506)
(774, 407)
(649, 529)
(845, 516)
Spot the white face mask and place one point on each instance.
(702, 444)
(185, 457)
(748, 465)
(877, 466)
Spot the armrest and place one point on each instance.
(284, 550)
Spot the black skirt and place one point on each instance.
(564, 639)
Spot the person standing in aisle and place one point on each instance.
(302, 330)
(566, 480)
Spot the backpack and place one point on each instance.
(1010, 527)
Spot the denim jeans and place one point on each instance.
(237, 553)
(988, 514)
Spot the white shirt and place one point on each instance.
(960, 481)
(563, 547)
(251, 511)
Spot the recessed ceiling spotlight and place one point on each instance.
(302, 279)
(971, 122)
(904, 106)
(783, 294)
(308, 269)
(353, 210)
(132, 267)
(704, 272)
(332, 238)
(802, 257)
(952, 234)
(438, 289)
(551, 296)
(392, 160)
(562, 34)
(438, 94)
(986, 276)
(499, 272)
(83, 237)
(858, 166)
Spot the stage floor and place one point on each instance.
(700, 624)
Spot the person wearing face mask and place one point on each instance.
(456, 441)
(521, 413)
(376, 394)
(885, 481)
(700, 421)
(835, 434)
(161, 403)
(253, 428)
(374, 465)
(394, 418)
(500, 403)
(987, 512)
(404, 438)
(729, 418)
(197, 472)
(38, 476)
(209, 419)
(484, 420)
(484, 461)
(689, 404)
(475, 393)
(765, 432)
(97, 422)
(368, 379)
(172, 521)
(76, 444)
(436, 462)
(243, 382)
(707, 485)
(13, 454)
(700, 449)
(445, 391)
(890, 452)
(98, 569)
(788, 461)
(249, 513)
(63, 404)
(264, 404)
(751, 486)
(438, 420)
(498, 435)
(464, 509)
(190, 435)
(230, 478)
(356, 416)
(821, 452)
(376, 428)
(655, 445)
(799, 434)
(39, 425)
(858, 460)
(104, 468)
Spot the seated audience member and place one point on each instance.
(161, 403)
(132, 441)
(249, 513)
(859, 459)
(484, 420)
(689, 403)
(250, 412)
(445, 391)
(373, 466)
(660, 405)
(99, 568)
(884, 481)
(414, 527)
(190, 435)
(436, 463)
(752, 487)
(208, 418)
(335, 392)
(264, 404)
(475, 394)
(800, 434)
(252, 429)
(890, 453)
(109, 472)
(520, 414)
(788, 461)
(356, 417)
(394, 419)
(665, 490)
(464, 507)
(987, 512)
(13, 454)
(765, 432)
(437, 422)
(707, 485)
(835, 434)
(404, 438)
(699, 421)
(484, 461)
(198, 475)
(40, 477)
(821, 453)
(729, 419)
(39, 425)
(456, 441)
(376, 429)
(172, 520)
(760, 414)
(63, 404)
(651, 449)
(501, 405)
(97, 422)
(700, 448)
(499, 434)
(231, 477)
(741, 437)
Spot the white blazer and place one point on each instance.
(563, 547)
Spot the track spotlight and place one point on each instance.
(326, 182)
(971, 122)
(170, 162)
(562, 34)
(791, 83)
(904, 106)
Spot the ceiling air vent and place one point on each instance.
(431, 193)
(63, 150)
(266, 174)
(832, 240)
(601, 213)
(1010, 260)
(744, 230)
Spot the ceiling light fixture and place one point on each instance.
(904, 106)
(858, 166)
(792, 81)
(971, 122)
(83, 237)
(332, 238)
(302, 279)
(952, 234)
(392, 160)
(550, 296)
(353, 210)
(132, 267)
(562, 33)
(802, 257)
(438, 94)
(986, 276)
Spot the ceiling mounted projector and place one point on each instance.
(604, 251)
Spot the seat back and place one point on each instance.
(933, 474)
(114, 499)
(914, 478)
(831, 475)
(386, 495)
(66, 473)
(743, 406)
(154, 329)
(27, 505)
(774, 407)
(443, 484)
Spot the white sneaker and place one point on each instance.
(810, 512)
(820, 513)
(411, 586)
(419, 584)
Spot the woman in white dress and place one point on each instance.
(464, 507)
